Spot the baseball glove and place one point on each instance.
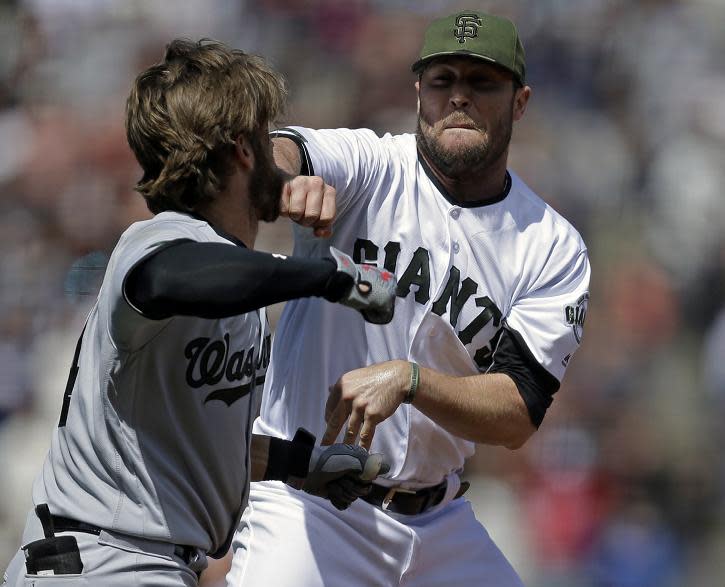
(342, 473)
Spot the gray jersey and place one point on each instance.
(158, 428)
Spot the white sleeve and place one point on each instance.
(349, 160)
(550, 317)
(128, 328)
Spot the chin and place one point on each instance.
(458, 147)
(462, 138)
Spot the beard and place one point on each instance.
(265, 184)
(462, 160)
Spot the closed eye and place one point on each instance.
(485, 84)
(441, 81)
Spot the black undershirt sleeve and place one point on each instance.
(535, 384)
(216, 280)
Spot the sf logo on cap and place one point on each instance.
(467, 27)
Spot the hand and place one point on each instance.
(309, 201)
(366, 396)
(342, 473)
(363, 287)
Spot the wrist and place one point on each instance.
(413, 382)
(338, 283)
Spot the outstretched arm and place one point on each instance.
(215, 280)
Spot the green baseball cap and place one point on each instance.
(474, 34)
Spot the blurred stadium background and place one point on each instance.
(624, 484)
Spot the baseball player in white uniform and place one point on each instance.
(148, 469)
(492, 295)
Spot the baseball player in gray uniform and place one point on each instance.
(148, 469)
(492, 296)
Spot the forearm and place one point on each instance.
(485, 408)
(287, 155)
(259, 457)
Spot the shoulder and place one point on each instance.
(532, 212)
(167, 226)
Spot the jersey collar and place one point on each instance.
(474, 204)
(219, 231)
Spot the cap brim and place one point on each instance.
(418, 65)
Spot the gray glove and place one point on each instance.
(342, 473)
(363, 287)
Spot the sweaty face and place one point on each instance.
(265, 184)
(465, 115)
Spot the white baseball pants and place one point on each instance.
(288, 538)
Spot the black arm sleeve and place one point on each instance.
(216, 280)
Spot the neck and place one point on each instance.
(232, 213)
(480, 185)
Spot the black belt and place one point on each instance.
(408, 502)
(62, 524)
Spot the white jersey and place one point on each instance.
(464, 273)
(155, 443)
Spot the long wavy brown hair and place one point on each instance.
(184, 114)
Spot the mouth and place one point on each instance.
(461, 123)
(463, 127)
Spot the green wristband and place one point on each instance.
(414, 380)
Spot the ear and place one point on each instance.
(417, 93)
(521, 99)
(243, 153)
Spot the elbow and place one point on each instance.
(520, 437)
(516, 443)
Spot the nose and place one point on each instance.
(459, 97)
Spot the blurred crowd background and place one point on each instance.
(624, 484)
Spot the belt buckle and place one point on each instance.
(391, 494)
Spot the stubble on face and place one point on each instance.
(465, 157)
